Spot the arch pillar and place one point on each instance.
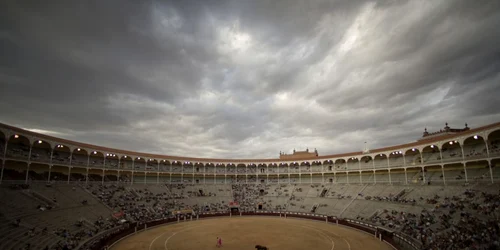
(1, 173)
(50, 170)
(463, 163)
(87, 176)
(465, 171)
(442, 172)
(29, 162)
(69, 171)
(406, 177)
(487, 148)
(389, 169)
(491, 171)
(27, 173)
(423, 175)
(390, 179)
(3, 159)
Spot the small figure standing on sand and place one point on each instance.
(219, 242)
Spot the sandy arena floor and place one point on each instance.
(243, 233)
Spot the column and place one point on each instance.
(3, 160)
(463, 162)
(491, 171)
(5, 148)
(102, 179)
(70, 157)
(487, 154)
(423, 174)
(88, 161)
(29, 154)
(442, 171)
(51, 154)
(406, 177)
(27, 171)
(158, 174)
(390, 180)
(69, 173)
(374, 175)
(347, 174)
(1, 173)
(87, 176)
(145, 175)
(389, 169)
(29, 163)
(465, 171)
(50, 170)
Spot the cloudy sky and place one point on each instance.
(246, 79)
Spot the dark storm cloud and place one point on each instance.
(248, 78)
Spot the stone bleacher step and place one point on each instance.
(11, 239)
(38, 197)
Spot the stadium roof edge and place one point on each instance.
(227, 160)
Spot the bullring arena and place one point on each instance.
(246, 232)
(438, 192)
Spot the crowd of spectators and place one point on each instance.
(466, 221)
(460, 220)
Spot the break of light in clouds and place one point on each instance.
(246, 79)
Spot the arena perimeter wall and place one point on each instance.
(397, 240)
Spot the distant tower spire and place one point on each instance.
(425, 133)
